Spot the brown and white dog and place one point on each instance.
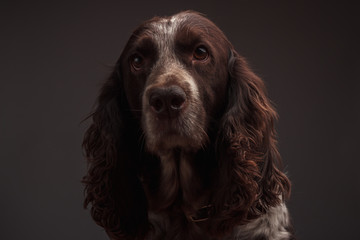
(182, 143)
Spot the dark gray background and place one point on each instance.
(55, 55)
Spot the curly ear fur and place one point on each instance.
(250, 180)
(111, 185)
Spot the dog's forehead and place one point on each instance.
(186, 25)
(168, 26)
(165, 29)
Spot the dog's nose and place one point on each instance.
(167, 101)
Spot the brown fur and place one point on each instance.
(233, 165)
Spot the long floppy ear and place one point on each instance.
(112, 187)
(249, 176)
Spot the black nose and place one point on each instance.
(167, 101)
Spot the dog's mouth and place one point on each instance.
(173, 130)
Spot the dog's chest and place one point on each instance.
(271, 226)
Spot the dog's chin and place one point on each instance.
(167, 136)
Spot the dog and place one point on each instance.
(182, 142)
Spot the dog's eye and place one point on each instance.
(201, 53)
(137, 62)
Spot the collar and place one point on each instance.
(202, 214)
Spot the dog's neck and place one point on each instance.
(184, 181)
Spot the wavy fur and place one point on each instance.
(135, 193)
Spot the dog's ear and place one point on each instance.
(112, 187)
(250, 179)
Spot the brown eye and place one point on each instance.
(137, 62)
(201, 53)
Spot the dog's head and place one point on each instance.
(175, 79)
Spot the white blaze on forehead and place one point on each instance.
(169, 26)
(164, 34)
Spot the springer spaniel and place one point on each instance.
(182, 143)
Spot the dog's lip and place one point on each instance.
(168, 126)
(168, 115)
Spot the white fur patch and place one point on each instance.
(165, 36)
(272, 226)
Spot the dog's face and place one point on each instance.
(175, 79)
